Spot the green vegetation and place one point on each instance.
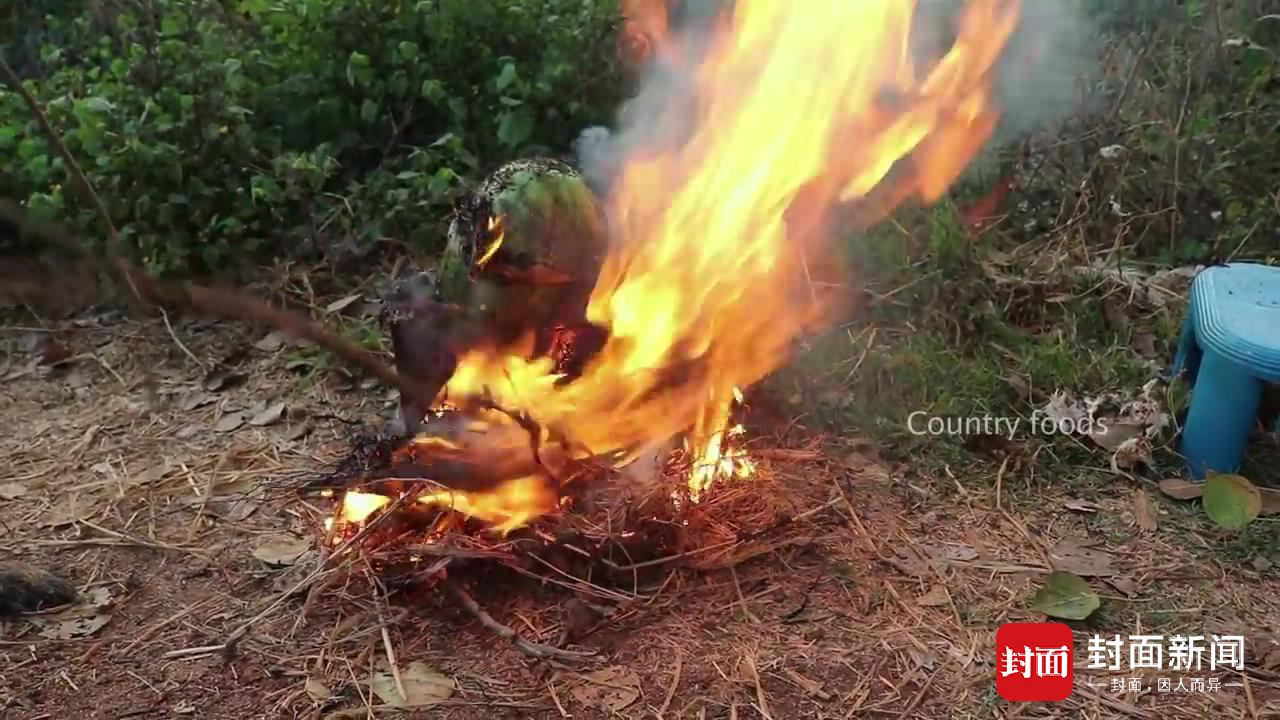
(221, 131)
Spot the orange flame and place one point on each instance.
(801, 108)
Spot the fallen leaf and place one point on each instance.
(11, 491)
(1111, 434)
(1180, 489)
(220, 379)
(270, 342)
(268, 416)
(611, 689)
(937, 596)
(229, 422)
(1066, 596)
(1124, 585)
(69, 509)
(342, 304)
(318, 691)
(1231, 501)
(70, 628)
(1072, 556)
(194, 400)
(80, 620)
(188, 431)
(423, 686)
(1144, 511)
(281, 550)
(1261, 563)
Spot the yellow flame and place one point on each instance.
(706, 287)
(495, 244)
(358, 506)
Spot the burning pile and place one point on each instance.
(691, 280)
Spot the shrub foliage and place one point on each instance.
(217, 130)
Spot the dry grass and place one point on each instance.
(873, 600)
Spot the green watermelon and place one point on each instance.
(525, 249)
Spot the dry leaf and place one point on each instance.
(611, 689)
(1180, 489)
(1072, 556)
(10, 491)
(268, 416)
(229, 422)
(1125, 585)
(270, 342)
(195, 399)
(342, 304)
(1144, 511)
(317, 691)
(281, 550)
(220, 379)
(80, 620)
(423, 686)
(1112, 434)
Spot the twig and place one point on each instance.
(186, 351)
(391, 661)
(532, 649)
(675, 682)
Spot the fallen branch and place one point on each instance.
(532, 649)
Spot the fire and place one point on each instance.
(496, 231)
(801, 110)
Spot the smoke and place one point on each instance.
(660, 114)
(1042, 77)
(1039, 80)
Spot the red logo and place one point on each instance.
(1034, 662)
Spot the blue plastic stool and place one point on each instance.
(1230, 347)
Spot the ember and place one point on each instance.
(706, 281)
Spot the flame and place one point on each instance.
(509, 506)
(498, 234)
(801, 110)
(358, 506)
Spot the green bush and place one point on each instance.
(219, 130)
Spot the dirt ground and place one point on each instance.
(880, 600)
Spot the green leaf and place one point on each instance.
(507, 76)
(433, 90)
(408, 50)
(368, 110)
(357, 67)
(1066, 596)
(1231, 501)
(514, 128)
